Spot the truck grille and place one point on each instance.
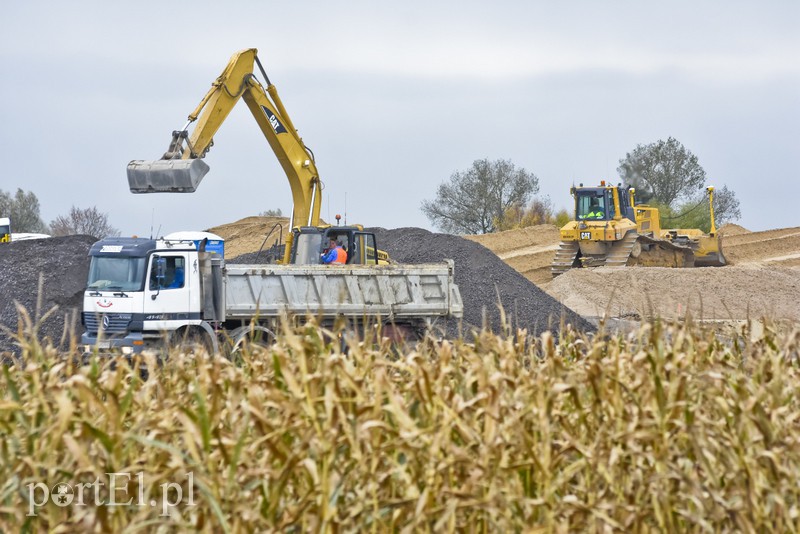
(111, 323)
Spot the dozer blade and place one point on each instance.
(712, 259)
(166, 175)
(709, 252)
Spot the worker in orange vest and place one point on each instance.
(335, 253)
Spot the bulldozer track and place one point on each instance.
(565, 258)
(621, 250)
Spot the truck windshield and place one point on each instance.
(124, 273)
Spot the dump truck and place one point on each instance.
(147, 293)
(610, 229)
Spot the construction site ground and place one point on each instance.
(762, 278)
(47, 277)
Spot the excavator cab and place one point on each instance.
(310, 242)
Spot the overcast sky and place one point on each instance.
(395, 97)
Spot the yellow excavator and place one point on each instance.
(611, 229)
(181, 168)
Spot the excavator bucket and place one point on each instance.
(166, 175)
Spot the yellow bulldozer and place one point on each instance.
(611, 229)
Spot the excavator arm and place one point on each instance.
(181, 168)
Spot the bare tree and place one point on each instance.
(539, 211)
(23, 210)
(726, 206)
(667, 174)
(694, 213)
(475, 200)
(664, 171)
(87, 221)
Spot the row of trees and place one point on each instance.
(495, 195)
(23, 210)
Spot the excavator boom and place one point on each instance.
(181, 168)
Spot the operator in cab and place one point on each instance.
(334, 253)
(595, 211)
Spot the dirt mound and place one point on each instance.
(510, 242)
(710, 293)
(779, 247)
(247, 235)
(731, 229)
(483, 279)
(63, 265)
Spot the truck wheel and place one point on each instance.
(193, 341)
(249, 336)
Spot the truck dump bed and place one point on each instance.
(392, 292)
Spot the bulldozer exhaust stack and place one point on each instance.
(166, 175)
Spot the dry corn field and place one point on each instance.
(668, 429)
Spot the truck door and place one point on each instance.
(167, 303)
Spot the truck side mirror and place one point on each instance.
(160, 267)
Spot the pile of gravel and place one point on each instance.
(484, 281)
(63, 265)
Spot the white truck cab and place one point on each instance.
(140, 288)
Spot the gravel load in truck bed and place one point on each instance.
(483, 279)
(63, 265)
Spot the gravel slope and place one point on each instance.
(63, 265)
(483, 279)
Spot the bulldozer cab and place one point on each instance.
(598, 203)
(593, 204)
